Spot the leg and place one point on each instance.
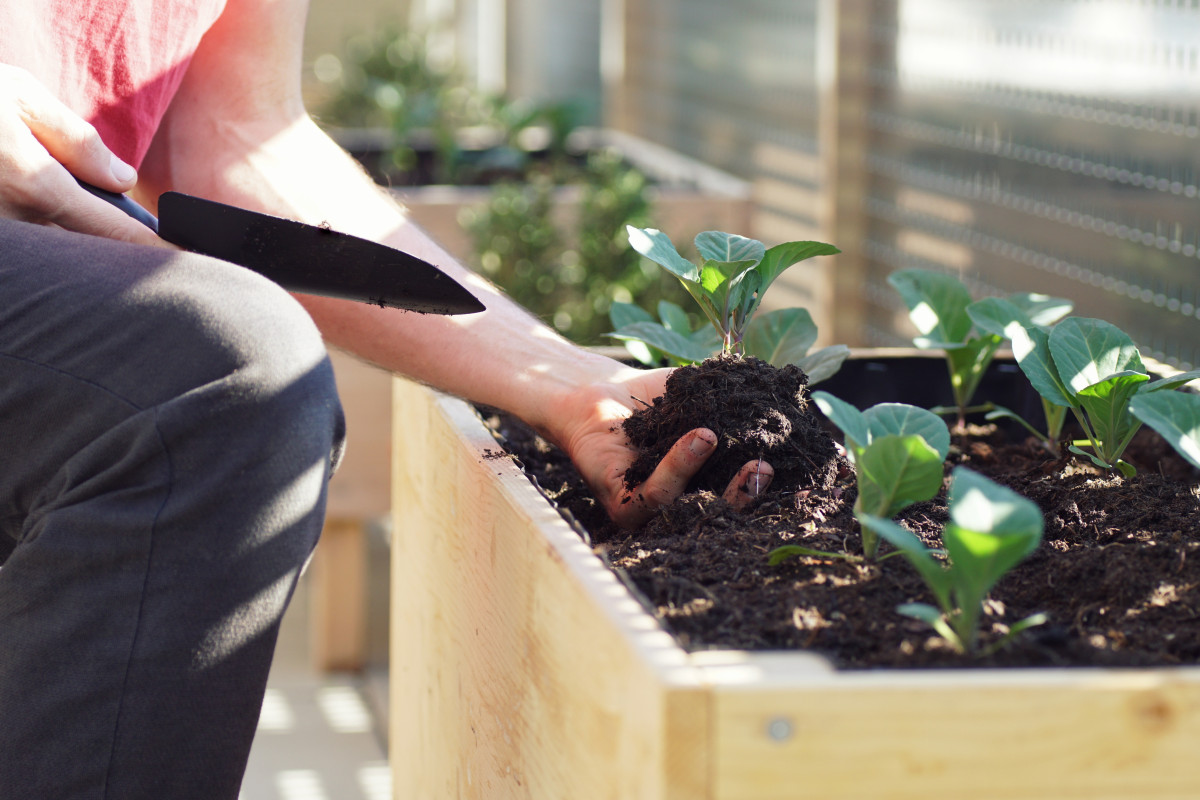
(166, 430)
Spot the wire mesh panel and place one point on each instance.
(1040, 145)
(732, 84)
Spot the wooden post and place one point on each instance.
(338, 573)
(844, 39)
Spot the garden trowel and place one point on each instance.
(307, 259)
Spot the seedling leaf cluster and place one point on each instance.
(991, 529)
(898, 451)
(940, 306)
(728, 286)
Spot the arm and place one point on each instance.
(237, 132)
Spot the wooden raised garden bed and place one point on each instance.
(522, 667)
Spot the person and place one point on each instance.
(168, 421)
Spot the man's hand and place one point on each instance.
(602, 453)
(42, 145)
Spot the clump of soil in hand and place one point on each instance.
(757, 411)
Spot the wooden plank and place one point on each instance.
(987, 735)
(338, 597)
(845, 36)
(361, 487)
(510, 674)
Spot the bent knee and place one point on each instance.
(209, 321)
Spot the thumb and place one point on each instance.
(69, 138)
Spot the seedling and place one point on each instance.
(937, 305)
(1008, 319)
(991, 530)
(1094, 369)
(898, 451)
(777, 337)
(730, 282)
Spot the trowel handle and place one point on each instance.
(125, 203)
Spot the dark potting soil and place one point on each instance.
(1118, 571)
(769, 419)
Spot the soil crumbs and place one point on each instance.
(1118, 571)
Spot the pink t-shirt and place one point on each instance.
(117, 63)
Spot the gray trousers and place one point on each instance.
(167, 426)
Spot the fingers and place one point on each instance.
(43, 144)
(671, 477)
(668, 481)
(750, 482)
(66, 137)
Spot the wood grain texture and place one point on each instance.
(510, 674)
(986, 735)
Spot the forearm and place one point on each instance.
(502, 356)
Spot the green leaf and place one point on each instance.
(721, 246)
(665, 340)
(707, 339)
(900, 419)
(967, 363)
(1099, 462)
(934, 619)
(656, 246)
(979, 504)
(896, 471)
(991, 529)
(995, 315)
(932, 571)
(824, 363)
(1000, 412)
(718, 275)
(921, 611)
(784, 552)
(1032, 621)
(781, 337)
(1173, 382)
(937, 305)
(1031, 347)
(855, 430)
(674, 318)
(1086, 351)
(782, 256)
(1175, 416)
(1042, 309)
(622, 314)
(1107, 407)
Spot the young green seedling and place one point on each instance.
(778, 337)
(1025, 322)
(898, 451)
(937, 305)
(730, 282)
(991, 530)
(1094, 369)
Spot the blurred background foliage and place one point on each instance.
(565, 268)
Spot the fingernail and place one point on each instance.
(701, 446)
(122, 171)
(758, 483)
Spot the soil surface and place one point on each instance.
(1118, 571)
